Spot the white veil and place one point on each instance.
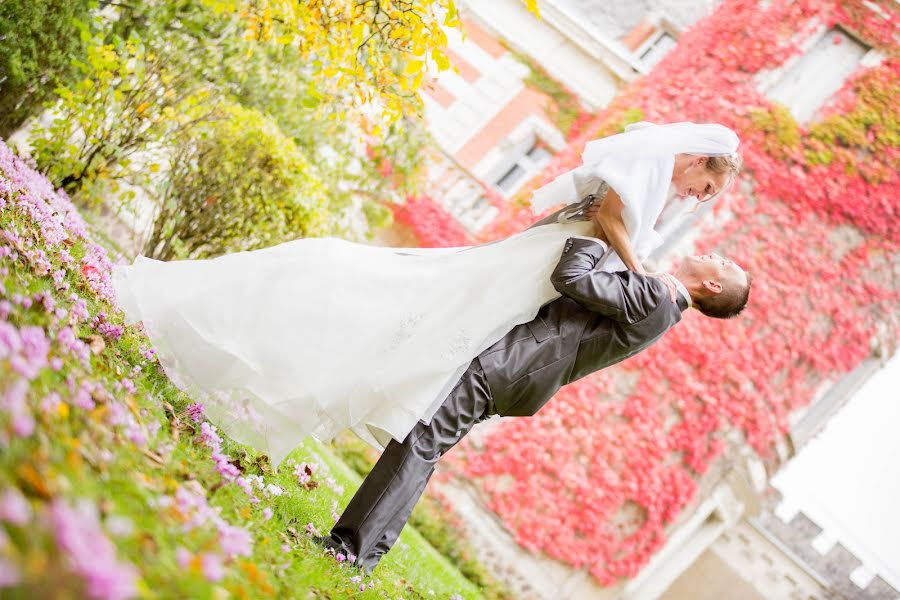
(638, 165)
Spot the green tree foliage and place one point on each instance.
(38, 44)
(153, 70)
(127, 101)
(235, 182)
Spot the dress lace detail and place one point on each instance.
(405, 330)
(458, 345)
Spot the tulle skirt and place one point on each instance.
(319, 335)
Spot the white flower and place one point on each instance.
(274, 490)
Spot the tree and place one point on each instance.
(235, 183)
(37, 47)
(368, 58)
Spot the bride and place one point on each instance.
(318, 335)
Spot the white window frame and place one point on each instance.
(766, 81)
(654, 39)
(530, 167)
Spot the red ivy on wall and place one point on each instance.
(433, 226)
(816, 219)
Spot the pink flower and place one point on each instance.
(209, 436)
(9, 574)
(182, 557)
(33, 355)
(195, 411)
(14, 508)
(129, 385)
(90, 553)
(23, 424)
(235, 541)
(212, 567)
(10, 342)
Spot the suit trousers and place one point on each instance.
(376, 514)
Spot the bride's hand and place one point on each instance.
(667, 279)
(591, 213)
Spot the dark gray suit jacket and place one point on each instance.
(601, 319)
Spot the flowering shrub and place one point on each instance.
(598, 474)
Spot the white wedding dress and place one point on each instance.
(319, 335)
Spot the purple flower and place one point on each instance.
(14, 508)
(235, 541)
(5, 309)
(224, 467)
(82, 399)
(14, 403)
(209, 436)
(182, 557)
(90, 553)
(23, 424)
(59, 277)
(129, 385)
(117, 414)
(10, 342)
(72, 345)
(212, 567)
(136, 435)
(9, 574)
(79, 308)
(33, 353)
(267, 513)
(50, 403)
(195, 411)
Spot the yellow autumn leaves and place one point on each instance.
(369, 58)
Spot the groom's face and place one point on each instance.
(713, 268)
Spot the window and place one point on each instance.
(524, 167)
(818, 74)
(509, 179)
(659, 45)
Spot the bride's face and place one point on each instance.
(692, 178)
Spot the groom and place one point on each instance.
(601, 319)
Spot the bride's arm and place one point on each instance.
(610, 224)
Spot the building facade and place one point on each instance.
(651, 479)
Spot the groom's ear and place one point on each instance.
(713, 286)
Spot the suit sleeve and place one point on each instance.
(624, 296)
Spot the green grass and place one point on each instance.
(80, 454)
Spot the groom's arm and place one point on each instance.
(625, 296)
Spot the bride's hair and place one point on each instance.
(725, 163)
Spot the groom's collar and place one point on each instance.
(683, 291)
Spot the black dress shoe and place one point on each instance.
(326, 542)
(332, 547)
